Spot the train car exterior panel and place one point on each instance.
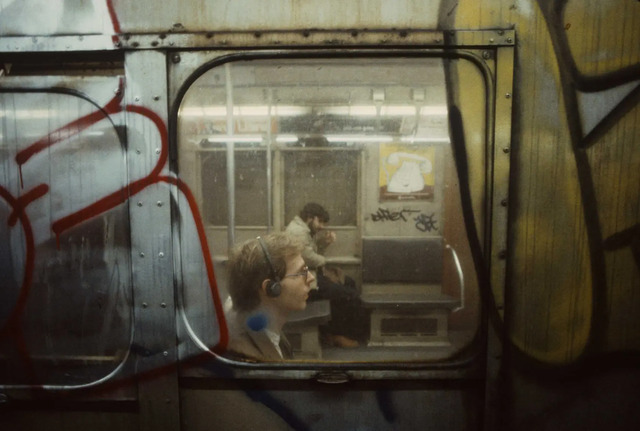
(113, 253)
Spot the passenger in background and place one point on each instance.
(308, 227)
(268, 279)
(347, 327)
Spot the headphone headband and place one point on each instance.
(273, 286)
(267, 258)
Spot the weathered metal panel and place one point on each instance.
(58, 17)
(151, 240)
(54, 17)
(256, 15)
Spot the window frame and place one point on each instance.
(490, 58)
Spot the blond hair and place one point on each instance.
(248, 267)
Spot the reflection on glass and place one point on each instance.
(367, 140)
(65, 302)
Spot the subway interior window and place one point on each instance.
(352, 159)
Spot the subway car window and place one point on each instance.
(352, 158)
(249, 169)
(65, 308)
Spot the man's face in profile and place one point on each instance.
(296, 285)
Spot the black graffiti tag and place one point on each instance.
(384, 214)
(425, 223)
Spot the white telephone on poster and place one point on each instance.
(408, 178)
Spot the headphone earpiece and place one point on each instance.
(273, 288)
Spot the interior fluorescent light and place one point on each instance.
(425, 139)
(284, 139)
(292, 111)
(385, 111)
(247, 111)
(217, 139)
(359, 138)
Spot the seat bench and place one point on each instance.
(402, 285)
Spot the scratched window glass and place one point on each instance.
(65, 301)
(367, 142)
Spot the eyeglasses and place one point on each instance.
(304, 273)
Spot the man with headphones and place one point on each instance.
(268, 279)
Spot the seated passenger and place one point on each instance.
(268, 279)
(347, 327)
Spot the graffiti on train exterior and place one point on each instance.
(18, 205)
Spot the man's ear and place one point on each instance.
(263, 285)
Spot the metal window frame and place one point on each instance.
(492, 51)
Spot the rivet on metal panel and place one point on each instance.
(156, 97)
(161, 255)
(500, 32)
(137, 98)
(508, 95)
(141, 254)
(175, 58)
(137, 151)
(504, 202)
(163, 305)
(509, 40)
(139, 203)
(135, 44)
(155, 43)
(165, 353)
(486, 55)
(157, 150)
(506, 150)
(159, 203)
(145, 305)
(491, 40)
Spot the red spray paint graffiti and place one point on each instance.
(11, 329)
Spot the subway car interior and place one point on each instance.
(376, 154)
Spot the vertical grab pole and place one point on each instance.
(231, 168)
(269, 164)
